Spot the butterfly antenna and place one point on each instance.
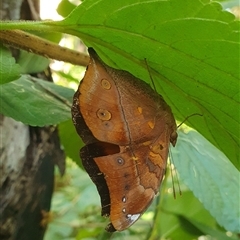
(154, 87)
(171, 170)
(177, 178)
(194, 114)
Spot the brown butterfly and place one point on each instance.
(127, 128)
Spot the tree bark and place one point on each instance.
(27, 159)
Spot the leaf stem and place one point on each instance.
(46, 26)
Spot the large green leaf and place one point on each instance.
(35, 102)
(211, 177)
(191, 47)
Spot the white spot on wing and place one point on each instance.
(133, 217)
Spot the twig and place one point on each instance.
(40, 46)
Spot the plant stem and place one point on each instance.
(46, 26)
(40, 46)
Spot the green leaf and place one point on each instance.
(168, 222)
(32, 63)
(9, 70)
(36, 102)
(169, 226)
(184, 218)
(191, 47)
(211, 177)
(71, 141)
(210, 231)
(65, 7)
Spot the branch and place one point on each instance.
(40, 46)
